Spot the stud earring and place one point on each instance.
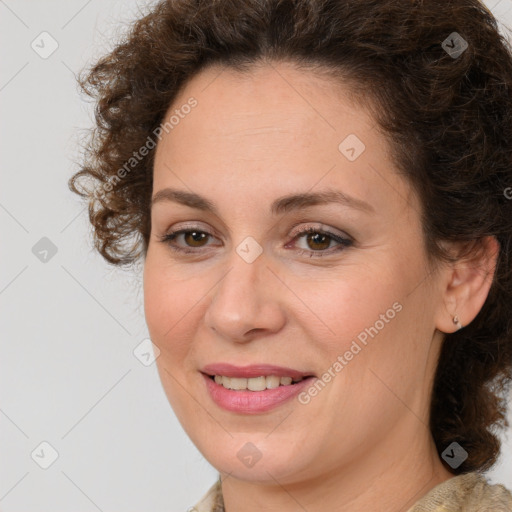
(456, 321)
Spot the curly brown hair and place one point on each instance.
(447, 117)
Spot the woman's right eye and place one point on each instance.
(192, 236)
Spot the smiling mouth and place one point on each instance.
(260, 383)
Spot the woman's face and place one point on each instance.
(352, 304)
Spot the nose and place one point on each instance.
(247, 302)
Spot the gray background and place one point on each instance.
(70, 324)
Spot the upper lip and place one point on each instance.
(253, 370)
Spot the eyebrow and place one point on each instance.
(280, 205)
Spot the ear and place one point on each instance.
(465, 285)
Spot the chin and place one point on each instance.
(252, 458)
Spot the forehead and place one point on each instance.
(274, 90)
(276, 126)
(277, 105)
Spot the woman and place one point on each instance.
(320, 192)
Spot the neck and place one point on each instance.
(381, 480)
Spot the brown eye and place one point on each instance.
(195, 238)
(188, 238)
(318, 241)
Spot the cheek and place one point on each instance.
(347, 303)
(365, 328)
(372, 339)
(169, 308)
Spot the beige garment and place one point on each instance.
(470, 492)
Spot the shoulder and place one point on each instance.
(211, 500)
(470, 492)
(482, 495)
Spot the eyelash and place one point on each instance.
(343, 242)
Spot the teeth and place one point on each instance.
(235, 383)
(254, 383)
(273, 381)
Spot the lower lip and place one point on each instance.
(253, 402)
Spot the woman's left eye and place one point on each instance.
(322, 240)
(318, 240)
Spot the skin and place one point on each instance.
(363, 442)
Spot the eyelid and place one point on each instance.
(295, 230)
(194, 225)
